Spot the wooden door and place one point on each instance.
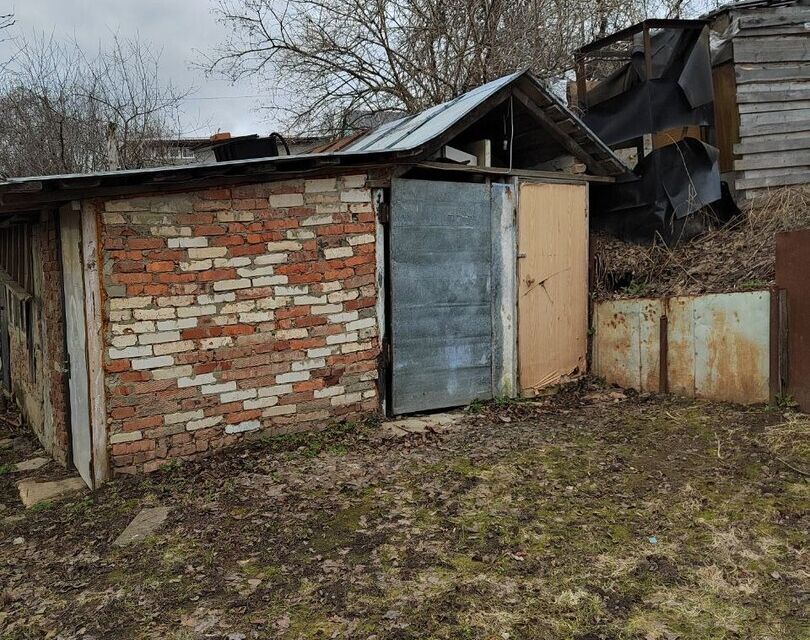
(76, 338)
(552, 283)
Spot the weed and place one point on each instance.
(5, 469)
(42, 506)
(636, 288)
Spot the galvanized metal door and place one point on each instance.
(76, 334)
(440, 292)
(552, 283)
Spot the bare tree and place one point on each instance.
(65, 112)
(338, 58)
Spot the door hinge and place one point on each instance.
(384, 212)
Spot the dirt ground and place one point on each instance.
(585, 515)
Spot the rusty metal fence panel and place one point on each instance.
(712, 346)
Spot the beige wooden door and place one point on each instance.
(552, 284)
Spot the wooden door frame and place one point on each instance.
(94, 343)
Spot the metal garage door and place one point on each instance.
(441, 318)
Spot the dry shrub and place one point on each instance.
(737, 256)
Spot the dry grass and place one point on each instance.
(738, 256)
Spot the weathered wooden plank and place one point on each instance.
(774, 17)
(796, 158)
(772, 172)
(779, 30)
(747, 73)
(770, 107)
(778, 85)
(773, 117)
(773, 181)
(789, 49)
(771, 144)
(745, 97)
(756, 129)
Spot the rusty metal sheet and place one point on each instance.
(717, 346)
(792, 260)
(732, 346)
(626, 342)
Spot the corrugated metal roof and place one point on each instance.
(413, 131)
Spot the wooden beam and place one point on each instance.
(554, 176)
(558, 134)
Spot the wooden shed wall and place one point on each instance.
(771, 54)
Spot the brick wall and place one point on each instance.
(236, 310)
(37, 376)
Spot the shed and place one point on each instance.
(761, 76)
(438, 259)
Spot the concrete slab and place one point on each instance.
(433, 423)
(145, 523)
(31, 465)
(32, 491)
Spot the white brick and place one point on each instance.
(157, 338)
(355, 195)
(235, 216)
(326, 308)
(309, 363)
(155, 314)
(270, 258)
(173, 347)
(284, 245)
(230, 285)
(113, 218)
(185, 416)
(152, 363)
(354, 182)
(294, 376)
(204, 423)
(364, 323)
(341, 338)
(143, 326)
(281, 200)
(224, 320)
(238, 261)
(130, 303)
(344, 296)
(338, 252)
(187, 243)
(248, 425)
(196, 265)
(195, 381)
(238, 307)
(217, 298)
(175, 301)
(321, 352)
(129, 352)
(282, 410)
(300, 234)
(256, 316)
(119, 342)
(295, 290)
(194, 311)
(331, 286)
(269, 281)
(346, 316)
(237, 396)
(176, 325)
(132, 436)
(320, 185)
(328, 392)
(216, 343)
(171, 373)
(311, 221)
(348, 398)
(223, 387)
(121, 316)
(272, 303)
(291, 334)
(261, 403)
(309, 300)
(249, 272)
(354, 347)
(209, 252)
(366, 238)
(276, 390)
(172, 231)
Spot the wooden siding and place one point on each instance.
(772, 74)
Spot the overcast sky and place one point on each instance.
(180, 28)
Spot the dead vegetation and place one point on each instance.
(587, 515)
(738, 256)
